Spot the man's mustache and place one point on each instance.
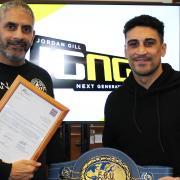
(21, 43)
(140, 57)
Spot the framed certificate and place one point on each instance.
(28, 120)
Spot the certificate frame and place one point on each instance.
(48, 101)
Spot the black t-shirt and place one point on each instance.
(33, 73)
(40, 78)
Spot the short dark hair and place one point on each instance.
(147, 21)
(16, 3)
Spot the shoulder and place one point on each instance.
(120, 90)
(38, 71)
(116, 94)
(35, 67)
(5, 170)
(39, 77)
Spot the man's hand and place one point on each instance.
(23, 169)
(169, 178)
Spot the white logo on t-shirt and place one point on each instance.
(39, 84)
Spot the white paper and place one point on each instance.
(24, 121)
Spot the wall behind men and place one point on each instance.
(163, 1)
(54, 1)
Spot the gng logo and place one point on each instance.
(71, 66)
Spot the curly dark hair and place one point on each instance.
(146, 21)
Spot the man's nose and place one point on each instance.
(141, 49)
(18, 34)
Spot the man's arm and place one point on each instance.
(23, 169)
(5, 170)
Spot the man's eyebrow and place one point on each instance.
(150, 39)
(27, 25)
(10, 22)
(134, 40)
(131, 40)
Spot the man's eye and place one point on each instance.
(133, 44)
(149, 43)
(27, 29)
(11, 27)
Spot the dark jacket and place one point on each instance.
(145, 124)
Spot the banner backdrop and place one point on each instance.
(82, 47)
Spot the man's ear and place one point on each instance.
(33, 38)
(163, 51)
(125, 54)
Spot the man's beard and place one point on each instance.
(148, 73)
(21, 46)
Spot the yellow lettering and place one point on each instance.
(91, 73)
(116, 71)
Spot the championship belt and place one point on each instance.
(105, 164)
